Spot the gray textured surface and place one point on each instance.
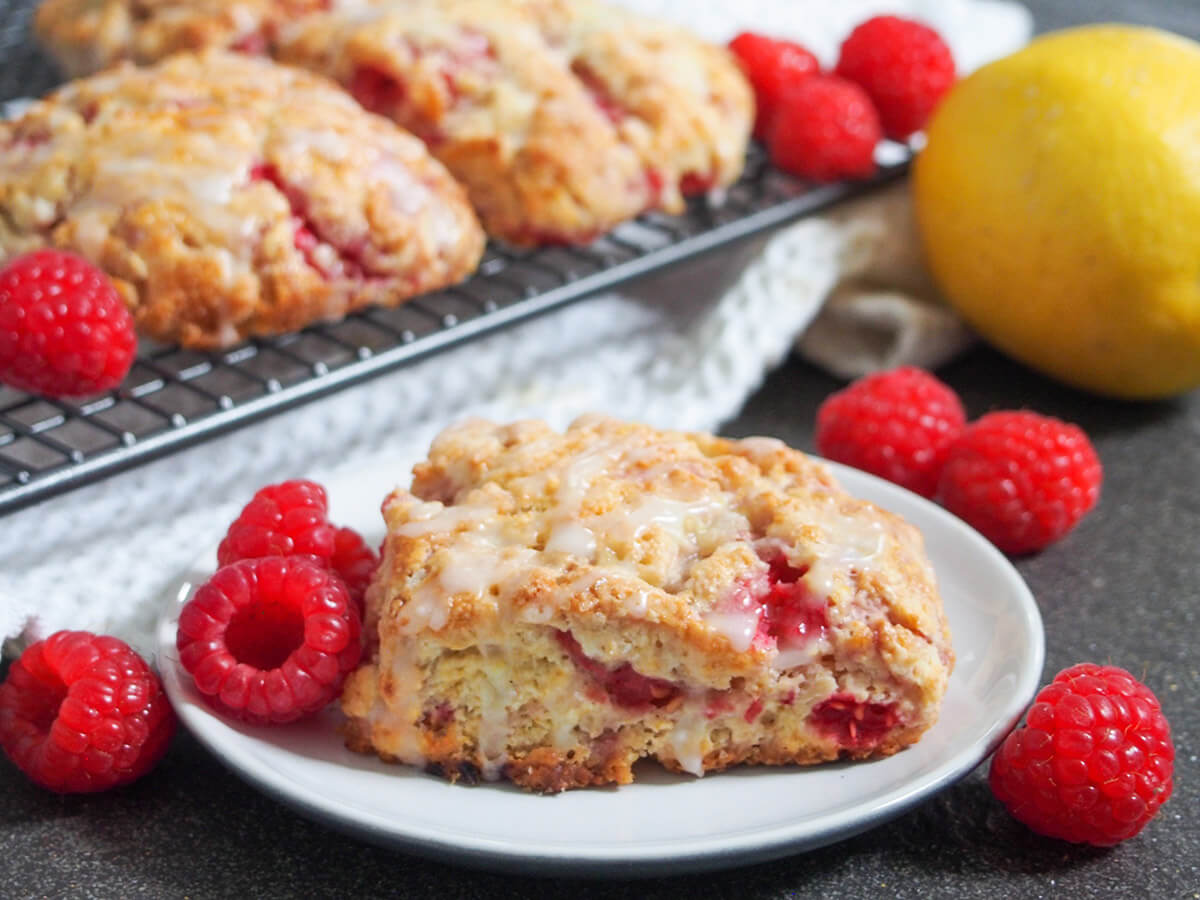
(1125, 588)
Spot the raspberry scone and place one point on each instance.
(229, 197)
(562, 117)
(553, 607)
(85, 36)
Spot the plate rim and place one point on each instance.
(596, 860)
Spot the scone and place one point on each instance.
(229, 197)
(553, 607)
(562, 117)
(85, 36)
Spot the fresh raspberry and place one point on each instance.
(903, 65)
(354, 561)
(279, 520)
(81, 713)
(64, 330)
(1021, 479)
(898, 425)
(1092, 763)
(773, 67)
(270, 639)
(825, 129)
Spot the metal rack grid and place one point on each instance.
(173, 398)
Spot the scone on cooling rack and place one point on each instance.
(563, 118)
(229, 197)
(551, 608)
(85, 36)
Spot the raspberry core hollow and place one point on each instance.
(553, 607)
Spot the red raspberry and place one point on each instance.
(354, 561)
(1021, 479)
(773, 67)
(904, 66)
(271, 639)
(64, 330)
(1094, 760)
(281, 519)
(825, 129)
(898, 425)
(81, 713)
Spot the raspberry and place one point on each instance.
(825, 129)
(270, 639)
(772, 66)
(791, 614)
(623, 685)
(1021, 479)
(281, 519)
(81, 713)
(854, 724)
(1092, 763)
(64, 330)
(354, 561)
(903, 65)
(898, 425)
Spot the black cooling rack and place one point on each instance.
(174, 398)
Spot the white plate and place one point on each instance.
(663, 822)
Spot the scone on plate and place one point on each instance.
(562, 117)
(229, 197)
(553, 607)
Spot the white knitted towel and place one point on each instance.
(681, 350)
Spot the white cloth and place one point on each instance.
(684, 349)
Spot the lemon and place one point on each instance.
(1058, 201)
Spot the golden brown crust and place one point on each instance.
(230, 197)
(551, 608)
(562, 118)
(85, 36)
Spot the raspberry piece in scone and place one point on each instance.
(552, 607)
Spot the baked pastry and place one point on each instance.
(228, 197)
(562, 117)
(550, 608)
(85, 36)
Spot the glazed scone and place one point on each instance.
(229, 197)
(552, 607)
(562, 117)
(85, 36)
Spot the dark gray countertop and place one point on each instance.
(1124, 588)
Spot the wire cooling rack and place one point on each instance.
(173, 398)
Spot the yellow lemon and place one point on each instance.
(1058, 200)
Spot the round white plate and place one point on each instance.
(663, 822)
